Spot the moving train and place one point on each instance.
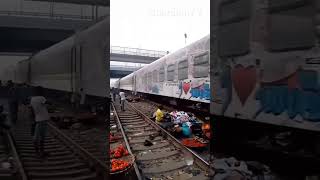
(264, 65)
(183, 74)
(79, 61)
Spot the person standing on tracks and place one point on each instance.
(3, 119)
(82, 98)
(114, 94)
(122, 99)
(13, 101)
(73, 97)
(41, 114)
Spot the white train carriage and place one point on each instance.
(183, 74)
(22, 69)
(271, 74)
(77, 62)
(9, 73)
(127, 83)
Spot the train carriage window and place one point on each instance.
(170, 72)
(149, 81)
(155, 76)
(161, 74)
(144, 78)
(234, 28)
(290, 27)
(183, 70)
(201, 66)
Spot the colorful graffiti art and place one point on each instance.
(202, 91)
(226, 83)
(296, 95)
(155, 89)
(186, 87)
(244, 81)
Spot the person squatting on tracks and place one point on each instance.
(41, 117)
(159, 115)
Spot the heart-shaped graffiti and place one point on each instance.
(244, 81)
(186, 87)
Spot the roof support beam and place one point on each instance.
(86, 2)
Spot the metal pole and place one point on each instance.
(21, 6)
(92, 12)
(51, 8)
(96, 12)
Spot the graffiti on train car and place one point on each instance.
(155, 89)
(185, 87)
(194, 89)
(288, 97)
(202, 91)
(298, 95)
(244, 81)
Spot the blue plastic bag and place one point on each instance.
(186, 131)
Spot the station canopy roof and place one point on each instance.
(87, 2)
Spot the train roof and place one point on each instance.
(205, 38)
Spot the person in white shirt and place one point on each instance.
(73, 99)
(122, 100)
(82, 97)
(41, 117)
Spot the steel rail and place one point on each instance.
(199, 161)
(100, 167)
(126, 141)
(22, 173)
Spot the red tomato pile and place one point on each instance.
(192, 143)
(119, 152)
(118, 165)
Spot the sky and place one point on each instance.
(158, 24)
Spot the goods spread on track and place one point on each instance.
(158, 156)
(224, 166)
(149, 108)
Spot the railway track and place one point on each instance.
(117, 131)
(165, 157)
(67, 160)
(8, 156)
(149, 108)
(92, 137)
(92, 140)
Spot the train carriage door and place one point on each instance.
(134, 87)
(201, 71)
(72, 60)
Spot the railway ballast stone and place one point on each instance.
(76, 126)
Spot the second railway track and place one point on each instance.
(165, 158)
(67, 160)
(149, 107)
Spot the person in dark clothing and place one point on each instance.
(13, 102)
(3, 119)
(113, 91)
